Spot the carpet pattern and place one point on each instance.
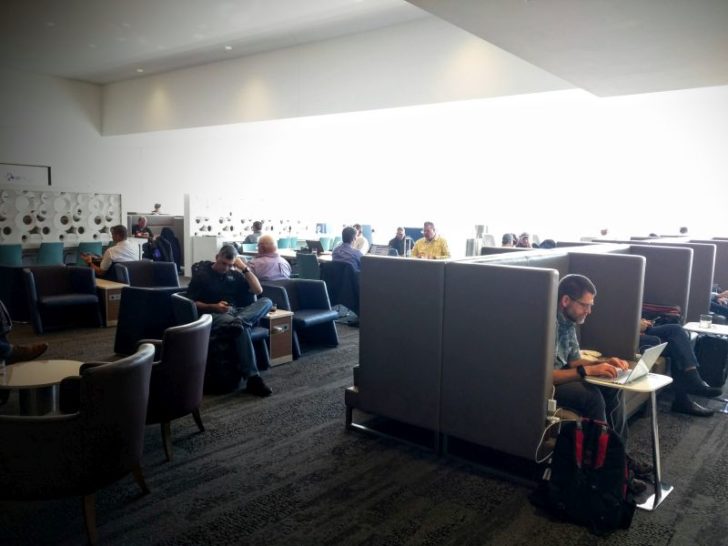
(283, 470)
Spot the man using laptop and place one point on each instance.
(576, 298)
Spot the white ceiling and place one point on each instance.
(103, 41)
(608, 47)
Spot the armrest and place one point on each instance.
(157, 347)
(69, 394)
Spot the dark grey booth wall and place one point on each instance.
(720, 275)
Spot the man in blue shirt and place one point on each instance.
(345, 252)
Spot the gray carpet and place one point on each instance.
(283, 470)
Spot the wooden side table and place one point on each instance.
(110, 299)
(280, 326)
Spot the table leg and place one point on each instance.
(38, 401)
(662, 490)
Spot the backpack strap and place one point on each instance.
(602, 445)
(579, 444)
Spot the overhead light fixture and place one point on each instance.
(228, 48)
(140, 70)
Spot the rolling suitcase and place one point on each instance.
(712, 353)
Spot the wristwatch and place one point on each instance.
(581, 371)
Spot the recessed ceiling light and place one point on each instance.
(140, 70)
(50, 24)
(228, 48)
(92, 46)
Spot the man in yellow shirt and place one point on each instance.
(431, 246)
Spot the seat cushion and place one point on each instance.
(63, 300)
(310, 317)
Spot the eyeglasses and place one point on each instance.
(584, 305)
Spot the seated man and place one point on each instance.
(360, 242)
(401, 243)
(575, 301)
(141, 229)
(9, 353)
(268, 265)
(431, 246)
(215, 287)
(257, 233)
(345, 252)
(684, 370)
(122, 251)
(719, 302)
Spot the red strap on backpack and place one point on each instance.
(579, 444)
(602, 447)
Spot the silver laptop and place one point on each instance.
(641, 369)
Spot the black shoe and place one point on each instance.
(640, 469)
(257, 387)
(23, 353)
(687, 406)
(637, 487)
(694, 384)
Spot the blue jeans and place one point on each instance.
(240, 320)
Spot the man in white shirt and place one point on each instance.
(360, 242)
(122, 251)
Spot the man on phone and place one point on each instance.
(216, 288)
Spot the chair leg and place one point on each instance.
(139, 478)
(296, 346)
(89, 517)
(349, 417)
(167, 440)
(198, 419)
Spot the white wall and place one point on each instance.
(562, 164)
(422, 62)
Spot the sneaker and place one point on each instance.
(257, 387)
(640, 469)
(23, 353)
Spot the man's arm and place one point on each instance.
(254, 286)
(607, 368)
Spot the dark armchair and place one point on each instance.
(178, 376)
(313, 318)
(60, 295)
(144, 313)
(148, 274)
(58, 456)
(219, 376)
(342, 282)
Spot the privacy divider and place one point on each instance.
(498, 354)
(720, 274)
(400, 349)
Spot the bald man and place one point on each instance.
(268, 265)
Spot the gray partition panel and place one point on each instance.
(720, 274)
(701, 278)
(667, 273)
(498, 354)
(613, 326)
(400, 339)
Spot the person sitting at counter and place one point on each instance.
(141, 229)
(431, 246)
(268, 265)
(122, 251)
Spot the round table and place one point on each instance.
(37, 381)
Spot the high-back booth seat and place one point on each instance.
(61, 295)
(148, 273)
(222, 373)
(98, 441)
(313, 318)
(178, 376)
(144, 313)
(342, 283)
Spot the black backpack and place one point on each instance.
(587, 480)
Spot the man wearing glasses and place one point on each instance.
(576, 299)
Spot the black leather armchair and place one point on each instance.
(185, 311)
(61, 295)
(78, 453)
(178, 376)
(144, 313)
(342, 283)
(148, 274)
(313, 318)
